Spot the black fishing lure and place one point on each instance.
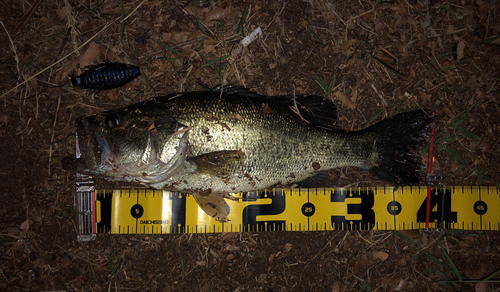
(105, 76)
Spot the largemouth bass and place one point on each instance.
(214, 143)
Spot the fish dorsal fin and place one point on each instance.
(219, 163)
(312, 109)
(236, 90)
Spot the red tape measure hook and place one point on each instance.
(431, 158)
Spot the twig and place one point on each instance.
(380, 95)
(53, 132)
(337, 15)
(65, 40)
(275, 16)
(13, 48)
(33, 122)
(295, 108)
(77, 256)
(28, 16)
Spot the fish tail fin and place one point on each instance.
(397, 138)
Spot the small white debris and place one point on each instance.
(257, 33)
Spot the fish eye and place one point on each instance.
(112, 121)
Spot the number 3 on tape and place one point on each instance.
(363, 208)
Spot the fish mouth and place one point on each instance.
(99, 153)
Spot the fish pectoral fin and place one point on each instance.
(214, 205)
(220, 163)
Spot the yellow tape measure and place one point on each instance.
(380, 208)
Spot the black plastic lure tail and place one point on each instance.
(105, 76)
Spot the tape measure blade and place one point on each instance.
(487, 206)
(381, 208)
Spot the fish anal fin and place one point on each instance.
(322, 179)
(219, 163)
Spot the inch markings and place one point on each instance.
(378, 208)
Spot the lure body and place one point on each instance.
(105, 76)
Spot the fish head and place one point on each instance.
(131, 144)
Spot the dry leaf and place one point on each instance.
(66, 70)
(479, 93)
(88, 57)
(48, 23)
(201, 263)
(380, 255)
(217, 13)
(229, 235)
(210, 42)
(85, 60)
(232, 247)
(425, 21)
(425, 98)
(221, 13)
(346, 45)
(460, 50)
(402, 285)
(166, 37)
(343, 98)
(271, 258)
(481, 7)
(336, 287)
(398, 23)
(55, 92)
(414, 235)
(262, 278)
(288, 247)
(482, 287)
(4, 119)
(411, 20)
(266, 109)
(234, 116)
(179, 37)
(354, 94)
(25, 225)
(379, 25)
(207, 49)
(32, 83)
(197, 73)
(62, 13)
(399, 9)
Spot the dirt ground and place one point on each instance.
(378, 56)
